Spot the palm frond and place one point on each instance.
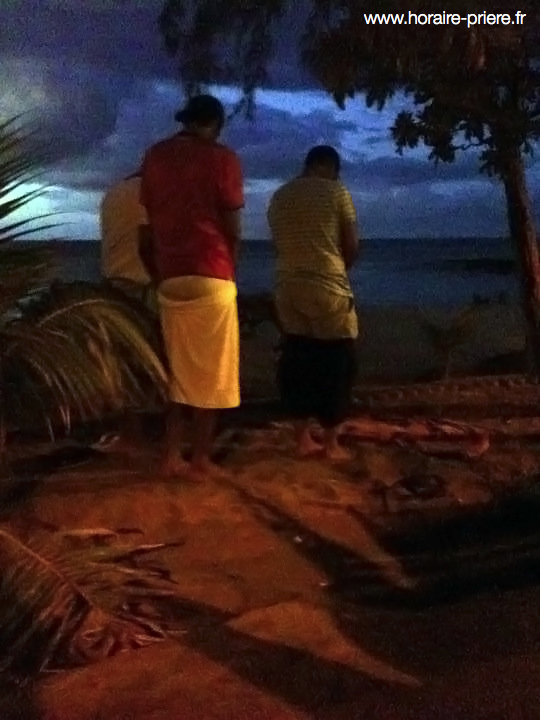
(71, 349)
(78, 350)
(20, 166)
(21, 270)
(62, 605)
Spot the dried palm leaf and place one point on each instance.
(62, 607)
(447, 338)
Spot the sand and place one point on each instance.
(284, 566)
(283, 579)
(395, 345)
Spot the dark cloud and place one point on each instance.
(83, 117)
(96, 77)
(114, 36)
(274, 147)
(123, 35)
(271, 148)
(475, 209)
(71, 109)
(402, 170)
(144, 114)
(73, 177)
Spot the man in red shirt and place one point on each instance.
(192, 190)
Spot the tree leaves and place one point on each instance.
(68, 604)
(78, 350)
(20, 164)
(69, 349)
(22, 270)
(210, 50)
(463, 74)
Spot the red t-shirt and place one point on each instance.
(186, 184)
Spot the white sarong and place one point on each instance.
(199, 321)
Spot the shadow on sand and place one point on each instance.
(475, 594)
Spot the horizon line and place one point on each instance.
(269, 240)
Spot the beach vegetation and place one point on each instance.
(67, 350)
(467, 85)
(71, 597)
(447, 338)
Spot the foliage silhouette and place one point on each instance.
(476, 87)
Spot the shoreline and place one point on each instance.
(395, 346)
(448, 277)
(396, 341)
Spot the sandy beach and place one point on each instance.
(371, 579)
(395, 343)
(339, 573)
(395, 346)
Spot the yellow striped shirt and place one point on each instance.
(305, 216)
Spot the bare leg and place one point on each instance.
(332, 448)
(204, 421)
(305, 444)
(173, 462)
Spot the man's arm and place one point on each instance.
(348, 229)
(350, 243)
(231, 190)
(146, 241)
(232, 226)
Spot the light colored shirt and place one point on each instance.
(305, 216)
(120, 217)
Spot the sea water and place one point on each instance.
(423, 271)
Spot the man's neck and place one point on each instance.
(312, 174)
(308, 173)
(199, 133)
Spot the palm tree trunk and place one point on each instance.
(523, 234)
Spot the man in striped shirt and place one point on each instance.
(313, 224)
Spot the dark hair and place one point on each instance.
(323, 155)
(202, 110)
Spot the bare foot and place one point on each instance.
(312, 451)
(203, 469)
(338, 453)
(174, 466)
(307, 446)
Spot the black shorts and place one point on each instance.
(316, 378)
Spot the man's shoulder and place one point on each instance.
(130, 183)
(341, 188)
(121, 188)
(161, 146)
(308, 185)
(288, 187)
(344, 196)
(335, 188)
(224, 151)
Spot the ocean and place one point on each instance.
(422, 272)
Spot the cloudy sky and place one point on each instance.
(94, 75)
